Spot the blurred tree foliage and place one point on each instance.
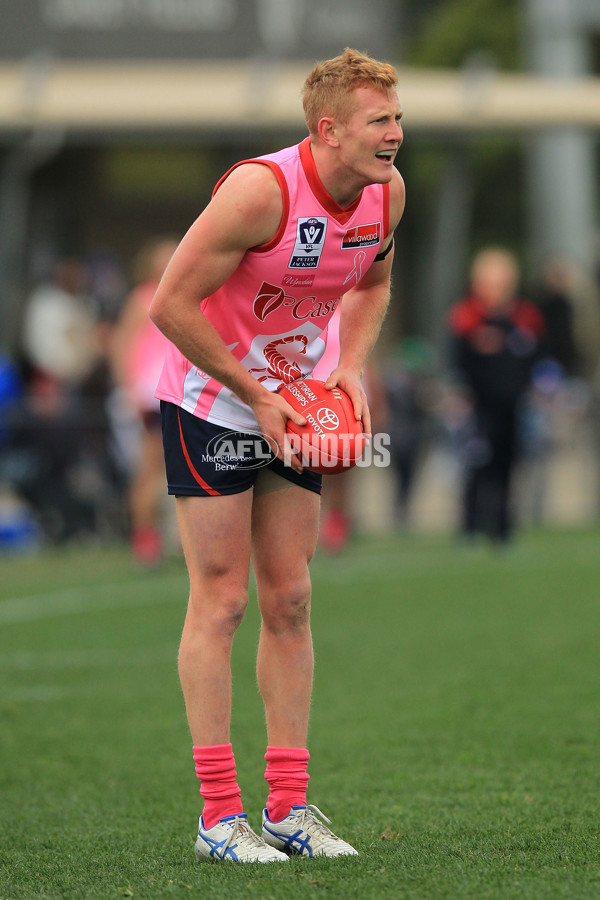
(448, 32)
(459, 34)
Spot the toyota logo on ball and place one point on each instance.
(328, 419)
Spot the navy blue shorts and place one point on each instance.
(204, 460)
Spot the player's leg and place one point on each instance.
(214, 510)
(285, 530)
(214, 504)
(285, 521)
(215, 535)
(210, 527)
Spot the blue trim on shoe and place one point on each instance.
(292, 841)
(214, 845)
(274, 821)
(223, 819)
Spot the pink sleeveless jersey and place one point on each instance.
(146, 353)
(273, 312)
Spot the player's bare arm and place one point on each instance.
(362, 313)
(245, 212)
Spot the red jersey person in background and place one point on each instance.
(495, 342)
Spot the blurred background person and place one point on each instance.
(60, 349)
(137, 356)
(553, 407)
(409, 387)
(58, 334)
(336, 524)
(495, 340)
(553, 296)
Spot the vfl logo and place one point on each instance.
(362, 236)
(310, 238)
(328, 419)
(311, 231)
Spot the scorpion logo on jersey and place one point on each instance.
(278, 366)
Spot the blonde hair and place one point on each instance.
(327, 90)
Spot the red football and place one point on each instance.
(332, 439)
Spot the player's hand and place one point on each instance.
(272, 413)
(349, 381)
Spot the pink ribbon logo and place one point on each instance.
(357, 270)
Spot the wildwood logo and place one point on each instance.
(362, 236)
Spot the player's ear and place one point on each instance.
(327, 131)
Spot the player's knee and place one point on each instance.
(288, 608)
(221, 611)
(229, 614)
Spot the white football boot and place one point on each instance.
(233, 839)
(303, 833)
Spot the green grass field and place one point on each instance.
(455, 732)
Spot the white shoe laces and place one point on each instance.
(311, 824)
(240, 830)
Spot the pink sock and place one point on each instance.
(215, 767)
(287, 777)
